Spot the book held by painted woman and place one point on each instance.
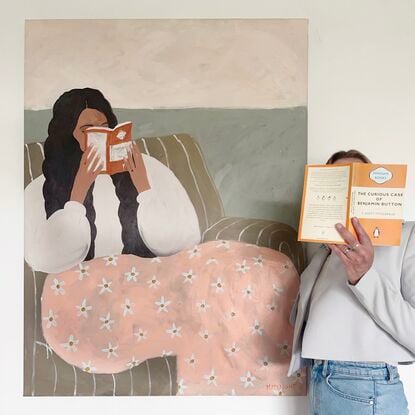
(112, 145)
(334, 193)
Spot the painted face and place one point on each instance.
(348, 160)
(89, 117)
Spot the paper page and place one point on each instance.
(325, 202)
(119, 151)
(99, 141)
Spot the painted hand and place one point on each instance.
(89, 168)
(135, 166)
(358, 255)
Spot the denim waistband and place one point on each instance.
(375, 370)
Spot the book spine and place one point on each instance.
(348, 224)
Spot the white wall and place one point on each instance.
(361, 94)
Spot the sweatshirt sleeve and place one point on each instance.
(391, 309)
(166, 217)
(58, 243)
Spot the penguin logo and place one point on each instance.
(376, 232)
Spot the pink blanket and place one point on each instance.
(222, 308)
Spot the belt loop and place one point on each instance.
(391, 372)
(324, 371)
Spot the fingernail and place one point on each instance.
(339, 225)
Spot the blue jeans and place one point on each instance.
(355, 388)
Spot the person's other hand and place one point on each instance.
(89, 168)
(135, 166)
(358, 255)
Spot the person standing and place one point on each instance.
(354, 320)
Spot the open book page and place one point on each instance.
(119, 151)
(325, 202)
(99, 141)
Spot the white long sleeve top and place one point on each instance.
(373, 320)
(167, 221)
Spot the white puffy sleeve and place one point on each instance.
(166, 217)
(58, 243)
(392, 309)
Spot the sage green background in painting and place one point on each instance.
(255, 156)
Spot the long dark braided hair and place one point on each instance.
(62, 159)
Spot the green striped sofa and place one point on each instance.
(45, 374)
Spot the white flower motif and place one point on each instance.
(223, 244)
(87, 367)
(277, 290)
(272, 306)
(141, 334)
(71, 344)
(110, 350)
(277, 392)
(288, 264)
(248, 379)
(153, 282)
(247, 292)
(83, 309)
(189, 276)
(218, 285)
(174, 331)
(111, 260)
(133, 363)
(165, 353)
(232, 314)
(211, 377)
(259, 260)
(233, 349)
(121, 135)
(51, 319)
(256, 328)
(106, 322)
(162, 305)
(194, 252)
(264, 362)
(298, 376)
(132, 275)
(212, 260)
(83, 271)
(57, 287)
(156, 259)
(105, 286)
(127, 307)
(243, 268)
(284, 348)
(181, 386)
(191, 360)
(204, 335)
(202, 306)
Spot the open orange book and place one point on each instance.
(373, 193)
(112, 145)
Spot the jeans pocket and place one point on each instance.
(353, 388)
(393, 396)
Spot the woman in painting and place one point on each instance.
(355, 320)
(129, 279)
(75, 214)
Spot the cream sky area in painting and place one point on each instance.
(169, 63)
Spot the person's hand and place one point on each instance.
(358, 255)
(135, 166)
(89, 168)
